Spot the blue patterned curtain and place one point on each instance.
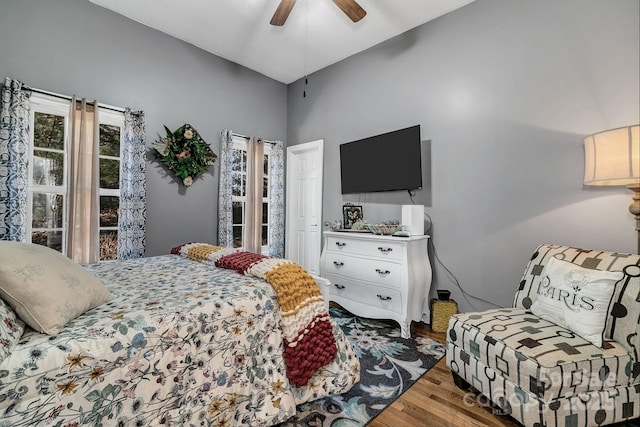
(276, 201)
(225, 214)
(14, 155)
(133, 188)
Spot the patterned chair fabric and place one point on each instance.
(543, 374)
(622, 323)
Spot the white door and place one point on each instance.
(304, 204)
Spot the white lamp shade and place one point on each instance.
(612, 157)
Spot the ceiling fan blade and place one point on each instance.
(351, 9)
(282, 12)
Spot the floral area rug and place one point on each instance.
(389, 365)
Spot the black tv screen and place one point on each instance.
(387, 162)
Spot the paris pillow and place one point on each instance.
(576, 298)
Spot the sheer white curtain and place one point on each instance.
(83, 244)
(253, 206)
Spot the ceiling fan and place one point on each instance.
(349, 7)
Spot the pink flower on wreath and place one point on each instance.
(184, 154)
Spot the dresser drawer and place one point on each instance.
(367, 248)
(377, 271)
(371, 295)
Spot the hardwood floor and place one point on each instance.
(435, 401)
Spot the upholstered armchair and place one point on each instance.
(568, 352)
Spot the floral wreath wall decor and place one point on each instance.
(185, 153)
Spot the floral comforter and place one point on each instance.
(180, 343)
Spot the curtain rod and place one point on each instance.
(68, 98)
(246, 137)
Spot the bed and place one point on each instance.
(179, 342)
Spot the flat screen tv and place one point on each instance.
(388, 162)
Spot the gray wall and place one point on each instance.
(75, 47)
(505, 91)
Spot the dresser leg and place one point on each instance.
(405, 330)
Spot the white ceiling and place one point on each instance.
(239, 30)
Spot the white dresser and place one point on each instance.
(382, 277)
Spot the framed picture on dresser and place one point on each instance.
(350, 214)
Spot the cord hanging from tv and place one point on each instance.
(390, 161)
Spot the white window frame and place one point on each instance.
(108, 117)
(48, 105)
(240, 143)
(42, 103)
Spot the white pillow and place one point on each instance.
(576, 298)
(45, 288)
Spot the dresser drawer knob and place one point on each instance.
(341, 244)
(341, 287)
(382, 272)
(338, 263)
(384, 250)
(384, 298)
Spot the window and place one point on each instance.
(239, 190)
(111, 125)
(48, 175)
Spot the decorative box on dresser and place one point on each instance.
(382, 277)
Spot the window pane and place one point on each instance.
(109, 173)
(109, 206)
(237, 236)
(265, 235)
(46, 210)
(237, 214)
(48, 131)
(108, 244)
(265, 213)
(265, 176)
(52, 239)
(238, 183)
(39, 237)
(48, 168)
(109, 140)
(235, 160)
(238, 160)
